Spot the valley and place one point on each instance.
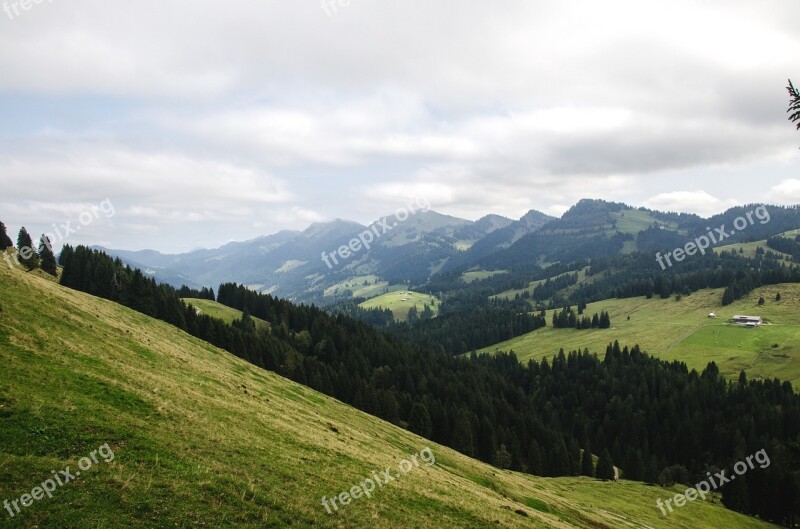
(205, 439)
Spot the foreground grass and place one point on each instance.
(202, 439)
(681, 330)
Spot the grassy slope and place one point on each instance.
(469, 277)
(680, 330)
(582, 279)
(394, 302)
(356, 284)
(218, 310)
(203, 439)
(749, 248)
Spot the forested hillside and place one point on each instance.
(540, 414)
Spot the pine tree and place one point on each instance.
(5, 240)
(794, 106)
(27, 252)
(487, 445)
(47, 256)
(734, 495)
(502, 458)
(463, 439)
(535, 458)
(605, 467)
(587, 465)
(419, 420)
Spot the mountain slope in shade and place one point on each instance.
(499, 239)
(203, 439)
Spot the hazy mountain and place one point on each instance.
(301, 265)
(499, 239)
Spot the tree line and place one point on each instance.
(568, 319)
(27, 254)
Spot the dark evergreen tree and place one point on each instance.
(419, 420)
(463, 438)
(502, 458)
(487, 444)
(48, 259)
(27, 251)
(5, 240)
(605, 467)
(587, 465)
(794, 104)
(535, 458)
(735, 495)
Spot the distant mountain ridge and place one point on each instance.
(410, 251)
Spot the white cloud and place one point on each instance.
(256, 116)
(699, 202)
(787, 192)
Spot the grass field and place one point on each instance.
(203, 439)
(681, 330)
(218, 310)
(400, 302)
(510, 294)
(469, 277)
(633, 221)
(373, 288)
(749, 248)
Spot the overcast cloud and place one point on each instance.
(204, 122)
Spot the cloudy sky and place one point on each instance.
(204, 122)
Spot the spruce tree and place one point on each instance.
(535, 458)
(735, 495)
(47, 257)
(419, 421)
(5, 240)
(587, 465)
(605, 467)
(502, 458)
(26, 249)
(794, 107)
(462, 437)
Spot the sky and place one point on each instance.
(184, 124)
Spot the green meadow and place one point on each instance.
(218, 310)
(476, 275)
(682, 330)
(366, 286)
(401, 301)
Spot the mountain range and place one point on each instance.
(305, 265)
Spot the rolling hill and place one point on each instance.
(218, 310)
(681, 330)
(400, 302)
(203, 439)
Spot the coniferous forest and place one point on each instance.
(656, 421)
